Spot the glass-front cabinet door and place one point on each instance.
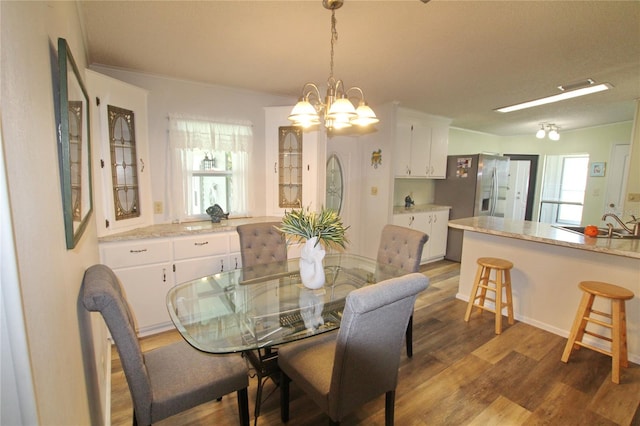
(294, 162)
(120, 154)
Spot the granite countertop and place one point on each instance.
(419, 208)
(545, 233)
(185, 229)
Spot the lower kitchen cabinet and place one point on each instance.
(148, 268)
(433, 223)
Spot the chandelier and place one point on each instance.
(337, 109)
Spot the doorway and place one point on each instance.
(522, 185)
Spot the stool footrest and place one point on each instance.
(599, 336)
(594, 348)
(596, 321)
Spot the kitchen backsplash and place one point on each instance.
(420, 190)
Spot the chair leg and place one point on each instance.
(409, 337)
(389, 406)
(284, 397)
(579, 324)
(243, 406)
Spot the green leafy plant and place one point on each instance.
(327, 225)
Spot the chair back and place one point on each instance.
(261, 243)
(401, 247)
(370, 340)
(101, 292)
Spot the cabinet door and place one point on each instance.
(146, 289)
(438, 152)
(406, 220)
(420, 150)
(191, 269)
(402, 150)
(438, 236)
(311, 168)
(119, 210)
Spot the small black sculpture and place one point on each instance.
(408, 202)
(216, 213)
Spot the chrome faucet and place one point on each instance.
(636, 224)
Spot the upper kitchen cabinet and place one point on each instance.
(421, 145)
(122, 182)
(295, 164)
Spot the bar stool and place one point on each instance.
(618, 323)
(483, 283)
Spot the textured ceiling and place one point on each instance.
(457, 59)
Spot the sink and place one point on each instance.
(602, 232)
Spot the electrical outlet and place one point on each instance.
(374, 190)
(157, 207)
(633, 197)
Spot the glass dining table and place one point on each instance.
(267, 305)
(253, 310)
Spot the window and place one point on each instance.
(563, 189)
(209, 166)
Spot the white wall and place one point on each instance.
(49, 275)
(168, 95)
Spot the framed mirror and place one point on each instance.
(334, 184)
(73, 146)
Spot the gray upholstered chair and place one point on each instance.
(261, 243)
(341, 371)
(401, 247)
(167, 380)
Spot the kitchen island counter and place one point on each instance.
(545, 233)
(548, 265)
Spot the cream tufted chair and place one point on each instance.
(344, 370)
(401, 248)
(261, 243)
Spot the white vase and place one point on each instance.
(311, 268)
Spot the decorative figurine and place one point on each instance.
(408, 202)
(216, 213)
(376, 158)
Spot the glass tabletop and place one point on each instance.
(266, 305)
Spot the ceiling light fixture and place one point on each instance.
(551, 132)
(338, 110)
(566, 94)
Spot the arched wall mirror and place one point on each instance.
(335, 184)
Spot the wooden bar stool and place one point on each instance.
(617, 323)
(484, 283)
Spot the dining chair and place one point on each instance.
(401, 248)
(261, 243)
(169, 379)
(342, 370)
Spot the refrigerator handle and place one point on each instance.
(494, 192)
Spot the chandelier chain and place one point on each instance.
(334, 39)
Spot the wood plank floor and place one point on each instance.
(460, 374)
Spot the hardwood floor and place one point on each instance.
(460, 374)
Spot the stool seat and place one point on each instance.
(501, 284)
(617, 324)
(495, 263)
(607, 290)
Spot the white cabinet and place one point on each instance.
(434, 224)
(148, 268)
(105, 92)
(421, 145)
(312, 167)
(144, 268)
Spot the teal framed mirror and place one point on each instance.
(73, 146)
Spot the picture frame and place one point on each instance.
(74, 146)
(597, 169)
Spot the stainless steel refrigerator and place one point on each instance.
(475, 185)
